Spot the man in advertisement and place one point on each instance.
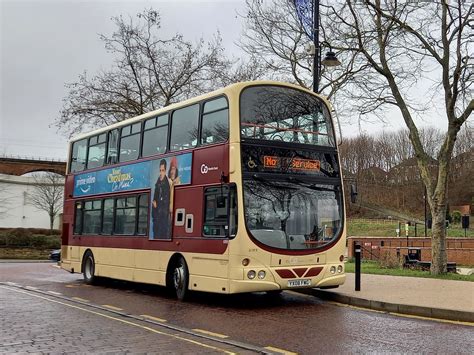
(161, 205)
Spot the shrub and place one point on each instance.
(22, 237)
(389, 261)
(456, 216)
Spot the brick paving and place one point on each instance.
(29, 324)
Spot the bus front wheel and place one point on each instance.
(180, 279)
(89, 268)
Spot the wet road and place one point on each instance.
(291, 321)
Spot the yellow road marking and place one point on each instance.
(153, 318)
(112, 307)
(80, 299)
(122, 321)
(403, 315)
(55, 293)
(470, 324)
(217, 335)
(281, 351)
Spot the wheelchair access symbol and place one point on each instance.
(251, 164)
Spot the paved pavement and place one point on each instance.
(444, 299)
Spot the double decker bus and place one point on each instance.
(238, 190)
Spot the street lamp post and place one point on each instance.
(317, 52)
(308, 14)
(330, 60)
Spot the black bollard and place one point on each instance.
(357, 267)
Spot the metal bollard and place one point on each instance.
(357, 267)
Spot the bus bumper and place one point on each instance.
(332, 281)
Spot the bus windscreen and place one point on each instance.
(284, 114)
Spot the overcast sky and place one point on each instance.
(47, 43)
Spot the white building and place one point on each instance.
(16, 208)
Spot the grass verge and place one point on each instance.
(372, 267)
(387, 228)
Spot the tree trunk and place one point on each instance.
(51, 218)
(438, 240)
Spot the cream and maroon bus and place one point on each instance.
(238, 190)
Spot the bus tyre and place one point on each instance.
(180, 279)
(88, 268)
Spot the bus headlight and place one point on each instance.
(245, 261)
(333, 269)
(251, 274)
(339, 269)
(261, 274)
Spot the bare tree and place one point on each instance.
(395, 51)
(403, 42)
(47, 195)
(149, 72)
(274, 35)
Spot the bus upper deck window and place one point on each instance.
(155, 135)
(96, 151)
(215, 121)
(112, 147)
(184, 128)
(78, 156)
(130, 142)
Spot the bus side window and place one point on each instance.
(184, 128)
(112, 146)
(92, 217)
(78, 218)
(130, 142)
(155, 135)
(142, 216)
(78, 156)
(215, 121)
(96, 151)
(220, 211)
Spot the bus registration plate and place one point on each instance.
(299, 283)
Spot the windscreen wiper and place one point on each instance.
(310, 186)
(270, 183)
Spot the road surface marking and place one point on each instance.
(154, 318)
(122, 321)
(207, 332)
(281, 351)
(112, 307)
(56, 266)
(80, 299)
(458, 322)
(31, 288)
(402, 314)
(55, 293)
(356, 307)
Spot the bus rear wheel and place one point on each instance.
(88, 268)
(180, 279)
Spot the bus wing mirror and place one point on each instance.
(353, 193)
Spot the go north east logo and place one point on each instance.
(85, 184)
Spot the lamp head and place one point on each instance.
(330, 60)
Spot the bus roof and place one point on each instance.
(237, 86)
